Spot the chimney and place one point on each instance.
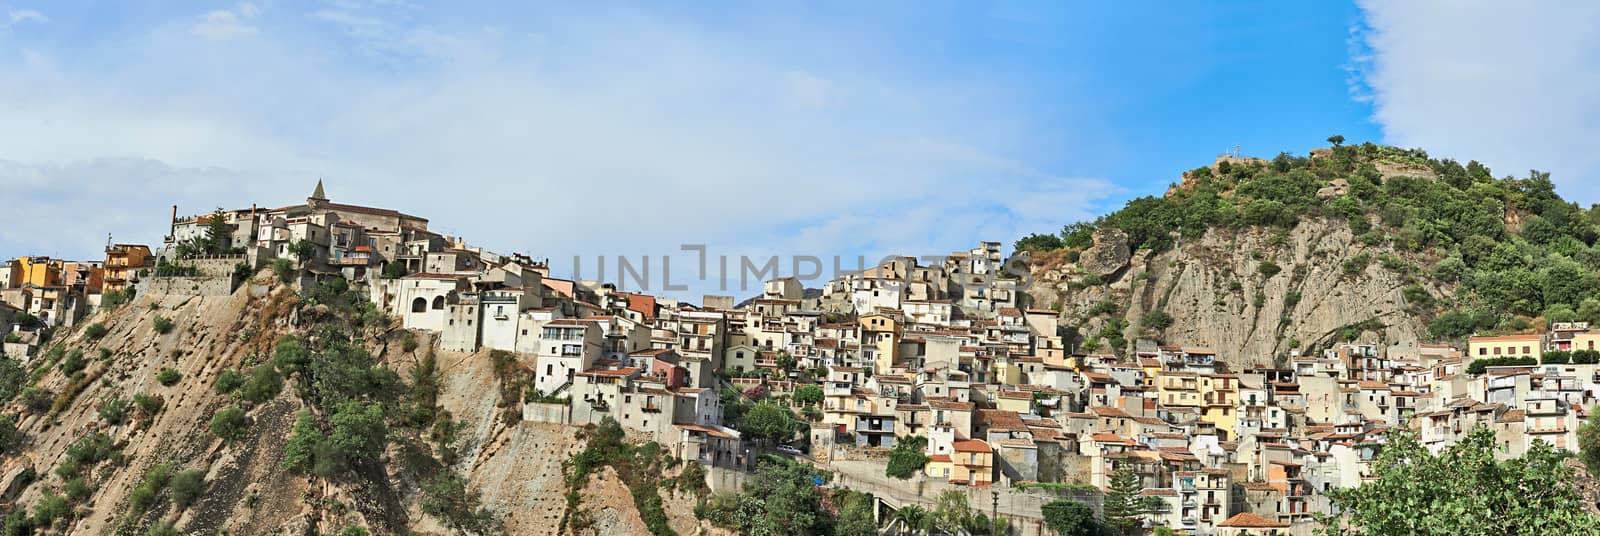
(172, 227)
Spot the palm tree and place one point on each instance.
(914, 517)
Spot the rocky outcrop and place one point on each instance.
(1109, 253)
(1252, 295)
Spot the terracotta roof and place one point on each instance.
(1247, 520)
(971, 445)
(941, 458)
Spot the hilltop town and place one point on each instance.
(948, 360)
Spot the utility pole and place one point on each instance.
(994, 510)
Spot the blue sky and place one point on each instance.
(767, 129)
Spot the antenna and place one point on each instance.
(1235, 150)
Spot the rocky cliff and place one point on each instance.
(1251, 294)
(62, 475)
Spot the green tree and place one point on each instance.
(447, 498)
(228, 382)
(114, 410)
(1462, 490)
(1589, 442)
(855, 514)
(299, 453)
(1070, 518)
(168, 377)
(1157, 320)
(359, 433)
(907, 457)
(8, 432)
(808, 394)
(303, 250)
(264, 384)
(230, 424)
(1336, 140)
(951, 512)
(769, 422)
(1038, 242)
(914, 517)
(1124, 505)
(187, 486)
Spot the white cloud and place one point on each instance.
(225, 24)
(618, 134)
(1513, 86)
(18, 16)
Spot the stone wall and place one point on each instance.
(192, 286)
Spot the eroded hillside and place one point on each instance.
(185, 415)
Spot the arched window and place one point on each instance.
(419, 305)
(438, 302)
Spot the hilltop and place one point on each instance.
(1261, 258)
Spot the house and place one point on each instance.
(566, 347)
(972, 463)
(1483, 347)
(125, 264)
(1248, 524)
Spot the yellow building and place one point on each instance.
(1178, 389)
(1530, 345)
(36, 271)
(1219, 394)
(123, 263)
(971, 463)
(881, 333)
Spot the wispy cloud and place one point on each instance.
(225, 24)
(1512, 87)
(615, 133)
(15, 16)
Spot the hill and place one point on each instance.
(1260, 258)
(277, 411)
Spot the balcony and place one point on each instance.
(651, 408)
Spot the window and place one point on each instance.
(419, 305)
(438, 302)
(549, 369)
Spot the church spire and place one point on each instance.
(318, 195)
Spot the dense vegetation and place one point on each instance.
(1463, 490)
(1512, 249)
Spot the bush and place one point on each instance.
(230, 424)
(907, 457)
(73, 363)
(8, 432)
(162, 324)
(114, 410)
(37, 399)
(168, 377)
(284, 269)
(148, 405)
(228, 382)
(1268, 268)
(51, 507)
(76, 489)
(1585, 357)
(95, 331)
(264, 384)
(187, 486)
(1556, 357)
(162, 528)
(1157, 320)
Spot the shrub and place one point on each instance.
(228, 382)
(76, 489)
(37, 399)
(168, 377)
(162, 324)
(265, 383)
(114, 410)
(162, 528)
(284, 269)
(51, 507)
(95, 331)
(1157, 320)
(187, 486)
(73, 363)
(1556, 357)
(1268, 268)
(1585, 357)
(230, 424)
(8, 432)
(148, 405)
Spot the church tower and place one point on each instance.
(318, 198)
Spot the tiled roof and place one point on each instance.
(1247, 520)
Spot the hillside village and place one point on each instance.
(952, 354)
